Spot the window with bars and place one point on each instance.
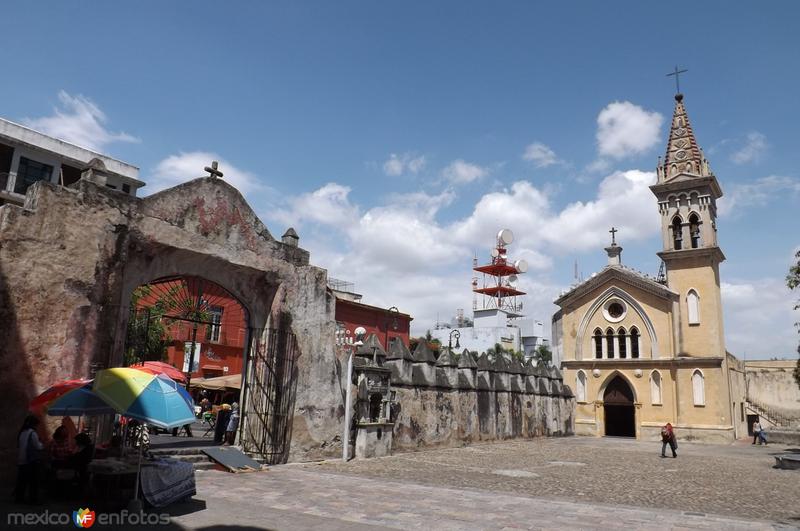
(214, 331)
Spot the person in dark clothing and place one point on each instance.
(29, 458)
(668, 438)
(80, 460)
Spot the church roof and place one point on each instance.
(616, 272)
(684, 160)
(682, 145)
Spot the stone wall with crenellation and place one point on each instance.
(455, 400)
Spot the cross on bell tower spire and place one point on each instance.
(677, 73)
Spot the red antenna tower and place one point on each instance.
(500, 276)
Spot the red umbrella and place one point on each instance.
(158, 367)
(54, 392)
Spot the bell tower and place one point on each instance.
(687, 193)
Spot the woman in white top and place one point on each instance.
(28, 461)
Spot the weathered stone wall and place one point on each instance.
(771, 383)
(449, 401)
(70, 258)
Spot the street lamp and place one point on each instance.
(450, 341)
(360, 332)
(393, 320)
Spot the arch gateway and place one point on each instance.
(71, 258)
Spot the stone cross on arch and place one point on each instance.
(212, 170)
(613, 232)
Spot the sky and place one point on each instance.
(397, 138)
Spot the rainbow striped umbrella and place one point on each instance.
(41, 402)
(151, 398)
(79, 401)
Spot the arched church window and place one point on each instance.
(694, 230)
(677, 233)
(621, 338)
(655, 388)
(598, 344)
(634, 343)
(693, 307)
(581, 386)
(610, 343)
(698, 388)
(673, 169)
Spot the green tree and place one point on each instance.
(542, 353)
(147, 335)
(793, 281)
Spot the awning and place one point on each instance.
(231, 381)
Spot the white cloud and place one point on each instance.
(461, 172)
(759, 193)
(540, 154)
(625, 129)
(177, 169)
(428, 261)
(623, 200)
(759, 318)
(397, 165)
(328, 205)
(754, 146)
(80, 121)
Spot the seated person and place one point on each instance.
(80, 460)
(60, 448)
(115, 447)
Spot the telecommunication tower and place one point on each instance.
(500, 278)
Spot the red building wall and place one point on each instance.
(221, 354)
(379, 321)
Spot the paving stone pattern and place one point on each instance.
(539, 484)
(734, 480)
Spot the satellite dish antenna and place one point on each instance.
(521, 265)
(505, 237)
(495, 253)
(512, 279)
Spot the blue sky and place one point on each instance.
(399, 137)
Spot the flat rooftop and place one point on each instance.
(76, 155)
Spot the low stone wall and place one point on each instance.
(784, 436)
(457, 400)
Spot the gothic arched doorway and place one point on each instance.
(620, 415)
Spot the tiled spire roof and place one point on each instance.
(683, 155)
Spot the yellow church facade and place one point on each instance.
(640, 351)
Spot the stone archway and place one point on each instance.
(619, 410)
(71, 258)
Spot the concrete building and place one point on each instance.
(494, 326)
(27, 156)
(640, 351)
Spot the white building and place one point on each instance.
(27, 156)
(493, 326)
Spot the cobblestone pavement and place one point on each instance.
(734, 480)
(575, 483)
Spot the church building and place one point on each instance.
(641, 351)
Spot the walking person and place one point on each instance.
(233, 425)
(29, 458)
(756, 432)
(668, 438)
